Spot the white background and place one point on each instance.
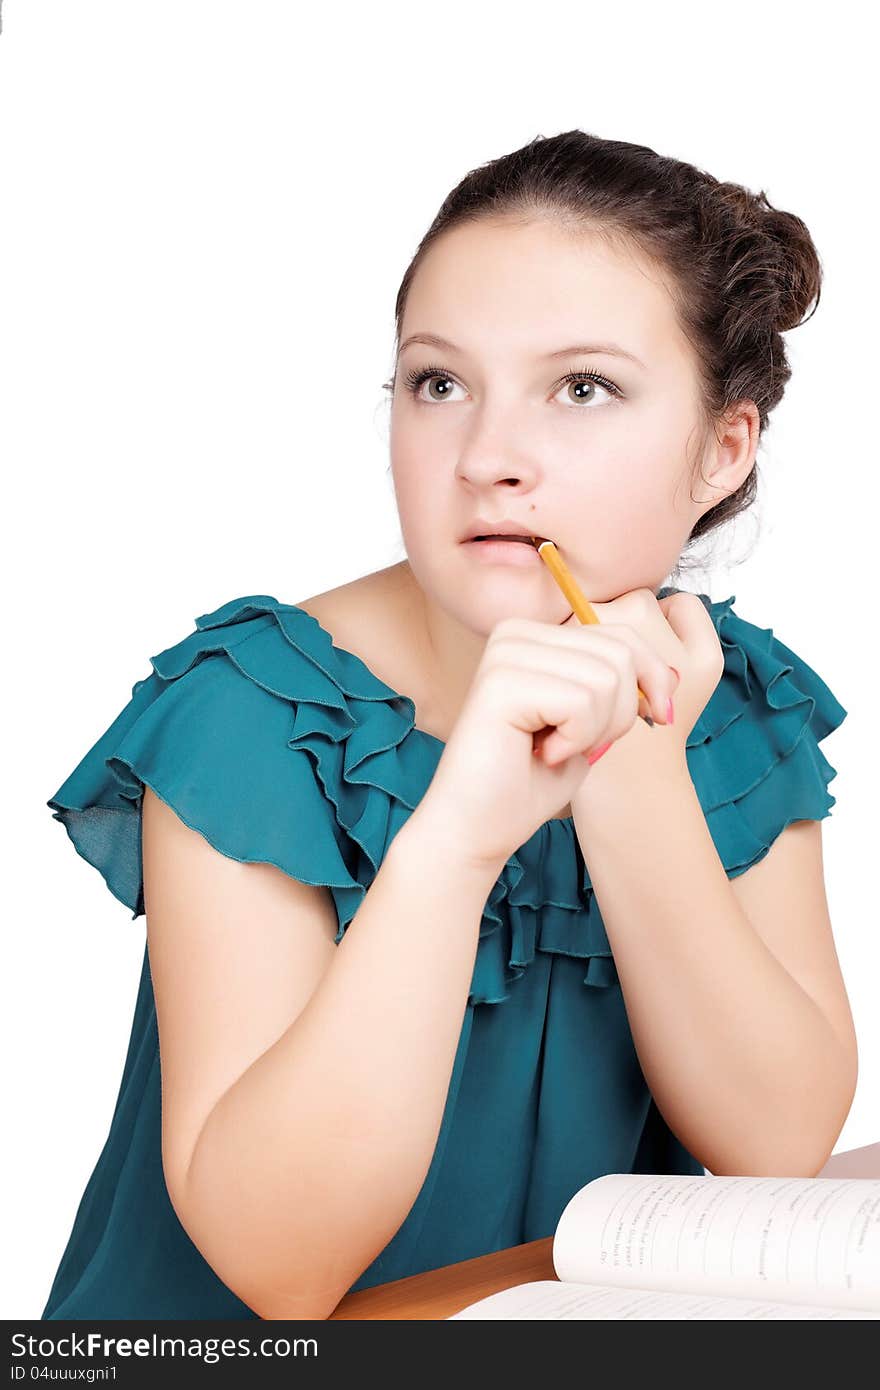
(207, 209)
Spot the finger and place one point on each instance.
(639, 664)
(569, 716)
(692, 624)
(581, 715)
(654, 674)
(599, 666)
(632, 654)
(524, 640)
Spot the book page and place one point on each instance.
(545, 1298)
(797, 1240)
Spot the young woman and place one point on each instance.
(419, 967)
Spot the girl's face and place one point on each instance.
(603, 467)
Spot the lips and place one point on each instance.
(533, 541)
(524, 540)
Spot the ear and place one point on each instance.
(734, 453)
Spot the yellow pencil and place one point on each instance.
(581, 607)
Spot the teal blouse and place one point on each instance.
(279, 746)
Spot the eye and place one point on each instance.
(414, 380)
(591, 380)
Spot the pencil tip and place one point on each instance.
(649, 720)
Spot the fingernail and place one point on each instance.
(670, 712)
(597, 752)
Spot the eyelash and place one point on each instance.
(415, 378)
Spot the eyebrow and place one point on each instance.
(610, 349)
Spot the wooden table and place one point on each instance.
(439, 1293)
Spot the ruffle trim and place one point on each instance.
(205, 740)
(754, 754)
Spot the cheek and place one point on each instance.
(624, 527)
(420, 497)
(635, 482)
(633, 489)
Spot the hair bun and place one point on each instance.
(789, 256)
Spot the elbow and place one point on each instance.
(840, 1113)
(303, 1296)
(299, 1295)
(281, 1306)
(273, 1287)
(243, 1265)
(802, 1142)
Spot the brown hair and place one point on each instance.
(740, 271)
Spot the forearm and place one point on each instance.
(311, 1161)
(744, 1065)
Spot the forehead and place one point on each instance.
(521, 290)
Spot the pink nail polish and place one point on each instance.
(597, 752)
(670, 712)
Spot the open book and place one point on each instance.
(635, 1245)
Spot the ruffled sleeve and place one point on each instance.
(754, 754)
(243, 729)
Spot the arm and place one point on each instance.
(748, 1070)
(311, 1160)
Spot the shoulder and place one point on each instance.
(262, 736)
(762, 675)
(378, 617)
(754, 752)
(261, 672)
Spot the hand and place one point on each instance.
(543, 695)
(681, 631)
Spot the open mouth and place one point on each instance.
(534, 541)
